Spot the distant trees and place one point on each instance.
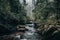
(46, 11)
(11, 14)
(57, 6)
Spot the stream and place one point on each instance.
(31, 34)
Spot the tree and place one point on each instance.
(48, 11)
(45, 9)
(11, 14)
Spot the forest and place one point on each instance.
(45, 14)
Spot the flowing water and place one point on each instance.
(29, 7)
(31, 34)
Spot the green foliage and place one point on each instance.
(11, 14)
(48, 11)
(44, 9)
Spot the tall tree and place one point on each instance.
(11, 14)
(45, 10)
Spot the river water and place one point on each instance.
(31, 34)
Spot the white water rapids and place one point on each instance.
(31, 34)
